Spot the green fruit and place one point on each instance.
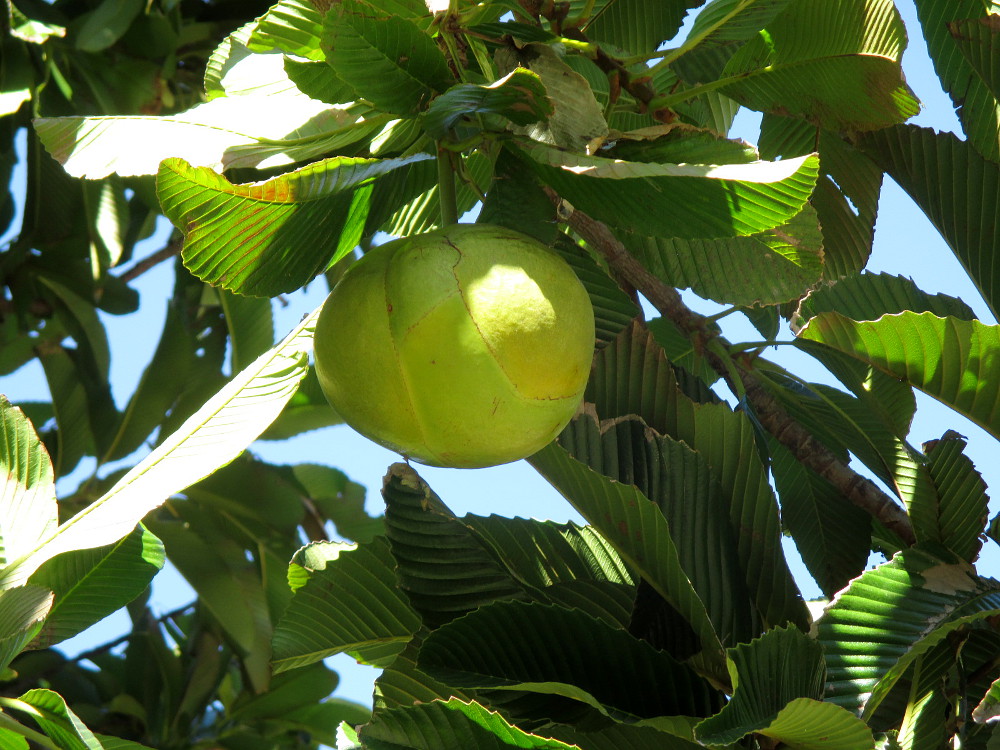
(468, 346)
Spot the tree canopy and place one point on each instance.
(283, 141)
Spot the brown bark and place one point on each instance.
(809, 451)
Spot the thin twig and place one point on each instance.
(809, 451)
(140, 267)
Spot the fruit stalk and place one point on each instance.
(446, 187)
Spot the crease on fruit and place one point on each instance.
(403, 375)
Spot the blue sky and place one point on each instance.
(905, 244)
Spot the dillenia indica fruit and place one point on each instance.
(468, 346)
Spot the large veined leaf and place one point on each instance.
(766, 268)
(679, 481)
(957, 188)
(779, 681)
(251, 327)
(876, 628)
(977, 38)
(22, 611)
(638, 26)
(216, 568)
(346, 599)
(403, 684)
(974, 101)
(947, 358)
(74, 437)
(633, 378)
(519, 96)
(57, 720)
(717, 32)
(91, 584)
(28, 494)
(443, 569)
(451, 725)
(618, 736)
(958, 516)
(576, 121)
(535, 647)
(843, 73)
(640, 534)
(293, 26)
(832, 535)
(222, 133)
(386, 58)
(869, 296)
(846, 195)
(212, 437)
(571, 552)
(270, 237)
(928, 702)
(989, 707)
(680, 200)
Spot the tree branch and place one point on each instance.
(140, 267)
(809, 451)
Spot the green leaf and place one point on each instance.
(28, 510)
(384, 57)
(251, 327)
(455, 725)
(106, 24)
(74, 437)
(271, 237)
(216, 568)
(869, 296)
(847, 192)
(287, 693)
(832, 535)
(717, 32)
(619, 736)
(571, 553)
(350, 601)
(844, 74)
(977, 39)
(637, 26)
(576, 120)
(443, 569)
(220, 134)
(22, 612)
(402, 684)
(527, 646)
(340, 500)
(921, 161)
(807, 724)
(93, 583)
(890, 616)
(947, 358)
(685, 201)
(766, 268)
(160, 387)
(212, 437)
(307, 410)
(768, 673)
(293, 26)
(640, 534)
(974, 101)
(50, 712)
(958, 517)
(989, 707)
(519, 96)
